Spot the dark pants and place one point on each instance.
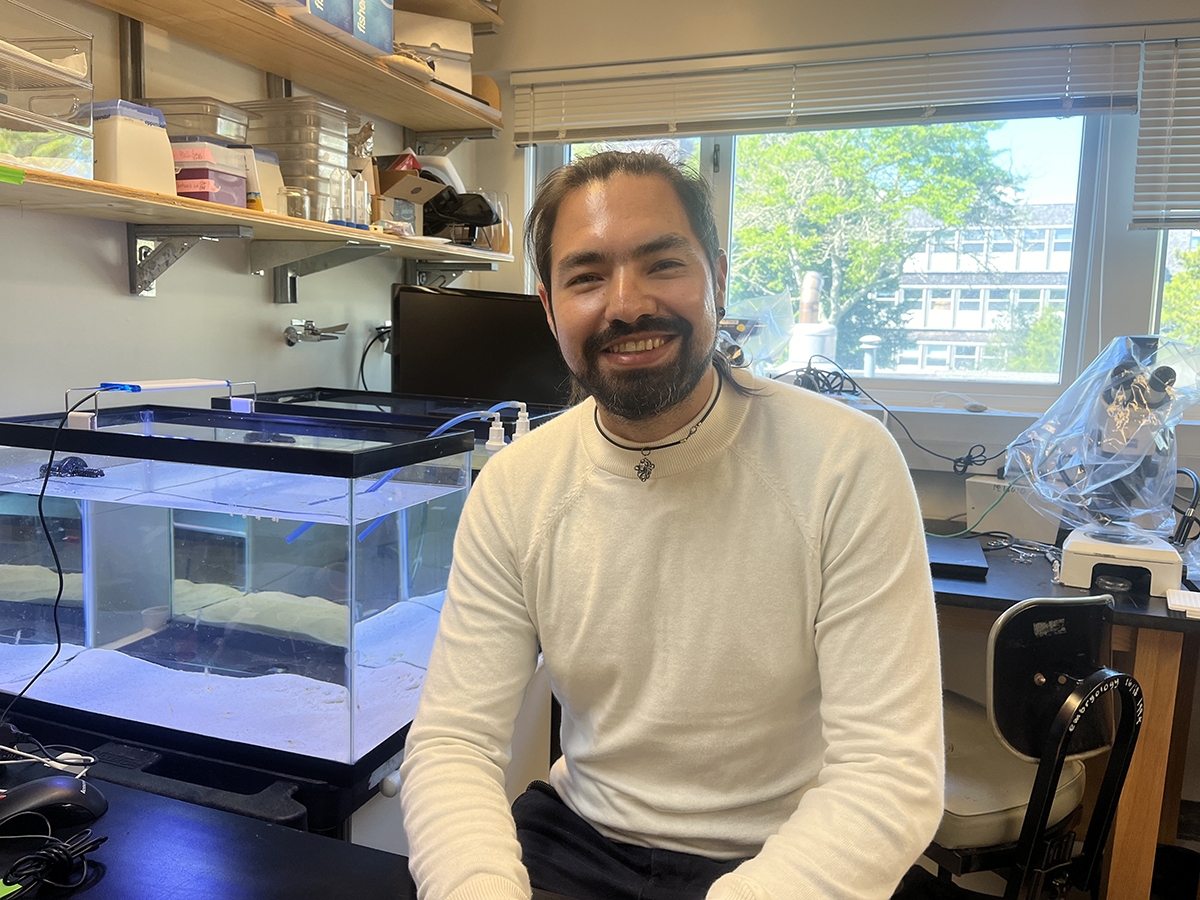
(566, 855)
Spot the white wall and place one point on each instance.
(66, 316)
(561, 33)
(69, 320)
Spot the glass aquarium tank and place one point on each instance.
(422, 411)
(270, 580)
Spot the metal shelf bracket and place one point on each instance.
(440, 143)
(440, 274)
(170, 242)
(290, 260)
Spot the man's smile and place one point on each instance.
(639, 350)
(635, 346)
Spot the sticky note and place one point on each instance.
(9, 175)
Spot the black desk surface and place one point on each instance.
(1009, 581)
(163, 849)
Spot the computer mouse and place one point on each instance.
(63, 800)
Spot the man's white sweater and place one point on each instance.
(744, 646)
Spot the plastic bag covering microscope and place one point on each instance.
(1103, 460)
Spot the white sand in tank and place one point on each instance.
(283, 711)
(24, 583)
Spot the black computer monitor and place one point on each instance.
(452, 342)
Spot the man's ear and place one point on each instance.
(545, 297)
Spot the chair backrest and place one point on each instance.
(1038, 652)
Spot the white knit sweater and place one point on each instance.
(745, 650)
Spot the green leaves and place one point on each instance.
(1181, 300)
(847, 203)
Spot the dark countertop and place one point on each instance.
(1009, 581)
(164, 849)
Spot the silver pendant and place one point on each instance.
(644, 468)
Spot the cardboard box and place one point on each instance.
(404, 186)
(1012, 514)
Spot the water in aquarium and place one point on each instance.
(283, 610)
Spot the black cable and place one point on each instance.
(54, 864)
(976, 456)
(49, 468)
(362, 362)
(1188, 516)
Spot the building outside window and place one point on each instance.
(986, 249)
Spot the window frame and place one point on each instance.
(1114, 286)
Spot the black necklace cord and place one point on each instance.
(683, 440)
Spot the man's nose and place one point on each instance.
(629, 297)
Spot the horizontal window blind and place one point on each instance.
(1062, 80)
(1166, 189)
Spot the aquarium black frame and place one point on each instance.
(331, 791)
(286, 403)
(405, 446)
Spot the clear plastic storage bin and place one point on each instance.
(310, 137)
(270, 136)
(300, 112)
(202, 117)
(294, 168)
(307, 152)
(205, 170)
(268, 580)
(45, 92)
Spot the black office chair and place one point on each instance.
(1014, 783)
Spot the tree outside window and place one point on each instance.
(874, 210)
(841, 203)
(1180, 317)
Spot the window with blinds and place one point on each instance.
(1001, 84)
(1167, 178)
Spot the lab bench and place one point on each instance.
(1164, 645)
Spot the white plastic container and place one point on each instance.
(132, 147)
(270, 179)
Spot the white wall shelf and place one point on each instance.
(260, 37)
(62, 194)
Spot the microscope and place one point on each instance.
(1104, 459)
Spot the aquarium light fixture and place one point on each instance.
(87, 421)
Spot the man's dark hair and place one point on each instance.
(689, 186)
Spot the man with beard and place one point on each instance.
(728, 583)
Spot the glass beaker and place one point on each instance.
(295, 200)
